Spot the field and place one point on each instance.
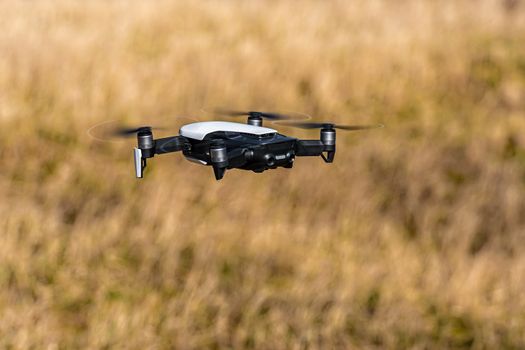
(413, 238)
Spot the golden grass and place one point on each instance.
(414, 238)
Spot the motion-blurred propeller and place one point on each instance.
(127, 131)
(255, 114)
(112, 130)
(316, 125)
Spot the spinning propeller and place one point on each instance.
(327, 137)
(315, 125)
(256, 118)
(112, 130)
(128, 132)
(255, 114)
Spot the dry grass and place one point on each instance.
(414, 238)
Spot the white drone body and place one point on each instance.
(198, 131)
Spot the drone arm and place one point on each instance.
(309, 148)
(170, 144)
(306, 148)
(148, 147)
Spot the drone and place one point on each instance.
(229, 145)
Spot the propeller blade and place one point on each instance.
(112, 130)
(305, 125)
(359, 127)
(317, 125)
(276, 116)
(230, 113)
(126, 131)
(265, 115)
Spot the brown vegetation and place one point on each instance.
(414, 238)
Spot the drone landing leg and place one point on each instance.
(329, 158)
(140, 163)
(219, 158)
(219, 172)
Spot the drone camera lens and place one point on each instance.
(270, 159)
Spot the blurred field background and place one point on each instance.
(413, 238)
